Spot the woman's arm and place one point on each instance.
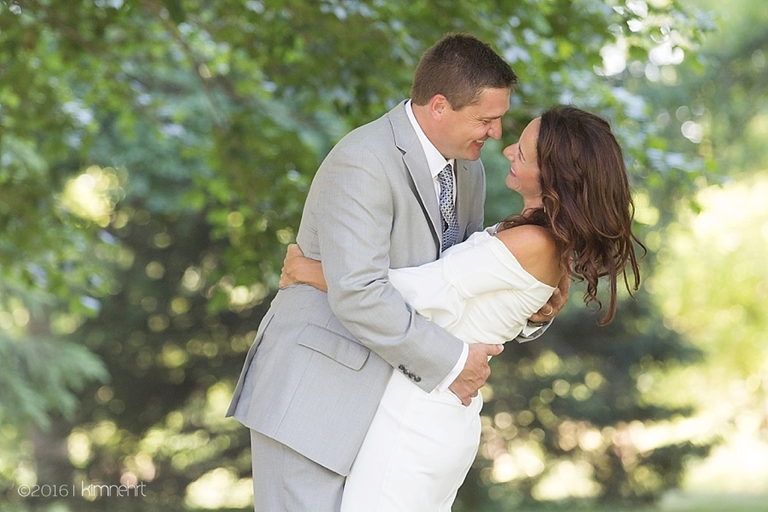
(535, 249)
(299, 269)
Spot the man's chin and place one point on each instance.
(469, 153)
(474, 151)
(472, 155)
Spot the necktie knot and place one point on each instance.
(448, 208)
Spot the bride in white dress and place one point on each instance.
(576, 221)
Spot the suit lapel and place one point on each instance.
(463, 196)
(416, 164)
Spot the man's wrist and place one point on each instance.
(458, 367)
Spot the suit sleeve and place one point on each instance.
(355, 206)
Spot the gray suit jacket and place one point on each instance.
(316, 372)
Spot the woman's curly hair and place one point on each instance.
(587, 202)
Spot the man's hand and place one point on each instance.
(298, 269)
(476, 371)
(287, 276)
(555, 303)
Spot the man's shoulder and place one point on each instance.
(388, 122)
(382, 133)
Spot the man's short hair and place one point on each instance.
(460, 67)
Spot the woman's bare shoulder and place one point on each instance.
(534, 247)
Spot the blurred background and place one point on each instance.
(154, 160)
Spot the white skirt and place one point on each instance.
(417, 452)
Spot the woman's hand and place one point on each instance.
(555, 303)
(299, 269)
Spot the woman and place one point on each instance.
(576, 222)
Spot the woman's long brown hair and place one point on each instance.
(587, 202)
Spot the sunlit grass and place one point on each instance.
(220, 488)
(672, 502)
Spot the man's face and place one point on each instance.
(463, 132)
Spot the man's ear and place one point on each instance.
(438, 105)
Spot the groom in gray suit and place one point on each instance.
(318, 367)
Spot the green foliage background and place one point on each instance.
(154, 159)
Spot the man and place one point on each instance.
(314, 376)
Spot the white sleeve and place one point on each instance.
(478, 291)
(426, 290)
(439, 290)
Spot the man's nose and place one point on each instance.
(494, 131)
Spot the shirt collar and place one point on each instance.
(435, 160)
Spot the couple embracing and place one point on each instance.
(361, 388)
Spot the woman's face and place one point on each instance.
(524, 172)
